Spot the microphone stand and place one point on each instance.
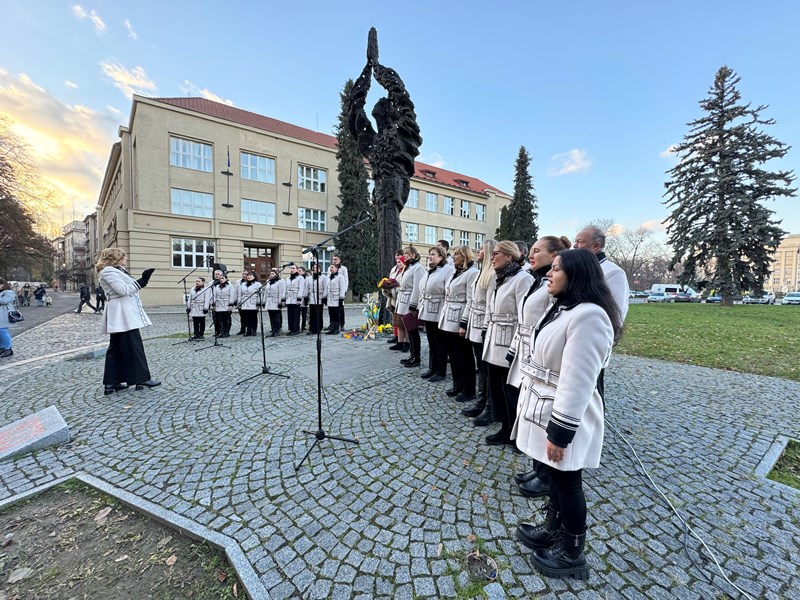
(320, 433)
(264, 368)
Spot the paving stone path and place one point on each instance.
(394, 516)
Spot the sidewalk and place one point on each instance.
(390, 517)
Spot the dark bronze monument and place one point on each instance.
(391, 151)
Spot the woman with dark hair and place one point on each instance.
(459, 349)
(504, 295)
(274, 299)
(432, 292)
(317, 297)
(534, 483)
(248, 299)
(560, 417)
(337, 288)
(407, 301)
(400, 336)
(223, 301)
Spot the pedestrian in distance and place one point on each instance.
(7, 301)
(86, 298)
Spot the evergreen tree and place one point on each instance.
(518, 219)
(718, 225)
(359, 248)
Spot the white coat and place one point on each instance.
(295, 289)
(431, 291)
(8, 299)
(274, 294)
(458, 293)
(224, 297)
(124, 310)
(337, 289)
(530, 311)
(345, 278)
(313, 297)
(501, 317)
(248, 297)
(476, 311)
(617, 282)
(199, 302)
(559, 392)
(408, 291)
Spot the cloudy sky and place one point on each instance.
(596, 91)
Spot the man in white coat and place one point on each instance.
(593, 239)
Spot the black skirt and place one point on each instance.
(125, 359)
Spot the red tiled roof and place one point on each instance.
(251, 119)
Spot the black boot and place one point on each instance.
(412, 361)
(563, 559)
(396, 346)
(499, 438)
(474, 411)
(485, 418)
(453, 391)
(543, 535)
(406, 347)
(537, 486)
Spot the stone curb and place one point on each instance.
(252, 584)
(93, 353)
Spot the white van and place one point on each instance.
(672, 289)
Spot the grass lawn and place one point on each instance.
(757, 339)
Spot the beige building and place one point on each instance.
(785, 275)
(192, 182)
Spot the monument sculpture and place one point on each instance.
(390, 151)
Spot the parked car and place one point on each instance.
(658, 297)
(791, 298)
(641, 294)
(685, 297)
(714, 299)
(765, 298)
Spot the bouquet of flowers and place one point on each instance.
(387, 283)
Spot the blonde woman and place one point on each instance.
(504, 295)
(472, 327)
(126, 363)
(459, 348)
(408, 297)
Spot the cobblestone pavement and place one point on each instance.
(394, 516)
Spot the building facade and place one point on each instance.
(785, 276)
(194, 182)
(72, 257)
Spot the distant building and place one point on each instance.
(192, 182)
(71, 256)
(785, 276)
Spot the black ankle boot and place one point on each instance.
(474, 411)
(499, 438)
(453, 391)
(485, 418)
(543, 535)
(413, 361)
(563, 559)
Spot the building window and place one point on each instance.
(311, 179)
(412, 233)
(430, 201)
(447, 235)
(413, 199)
(324, 262)
(192, 253)
(464, 241)
(192, 204)
(311, 219)
(257, 168)
(190, 154)
(478, 241)
(254, 211)
(465, 209)
(430, 234)
(448, 205)
(480, 212)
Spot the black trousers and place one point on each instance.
(503, 396)
(89, 304)
(125, 359)
(222, 322)
(462, 361)
(101, 303)
(199, 326)
(341, 313)
(249, 320)
(315, 318)
(275, 320)
(334, 314)
(303, 317)
(566, 494)
(293, 316)
(437, 351)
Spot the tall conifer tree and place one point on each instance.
(719, 228)
(358, 248)
(518, 219)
